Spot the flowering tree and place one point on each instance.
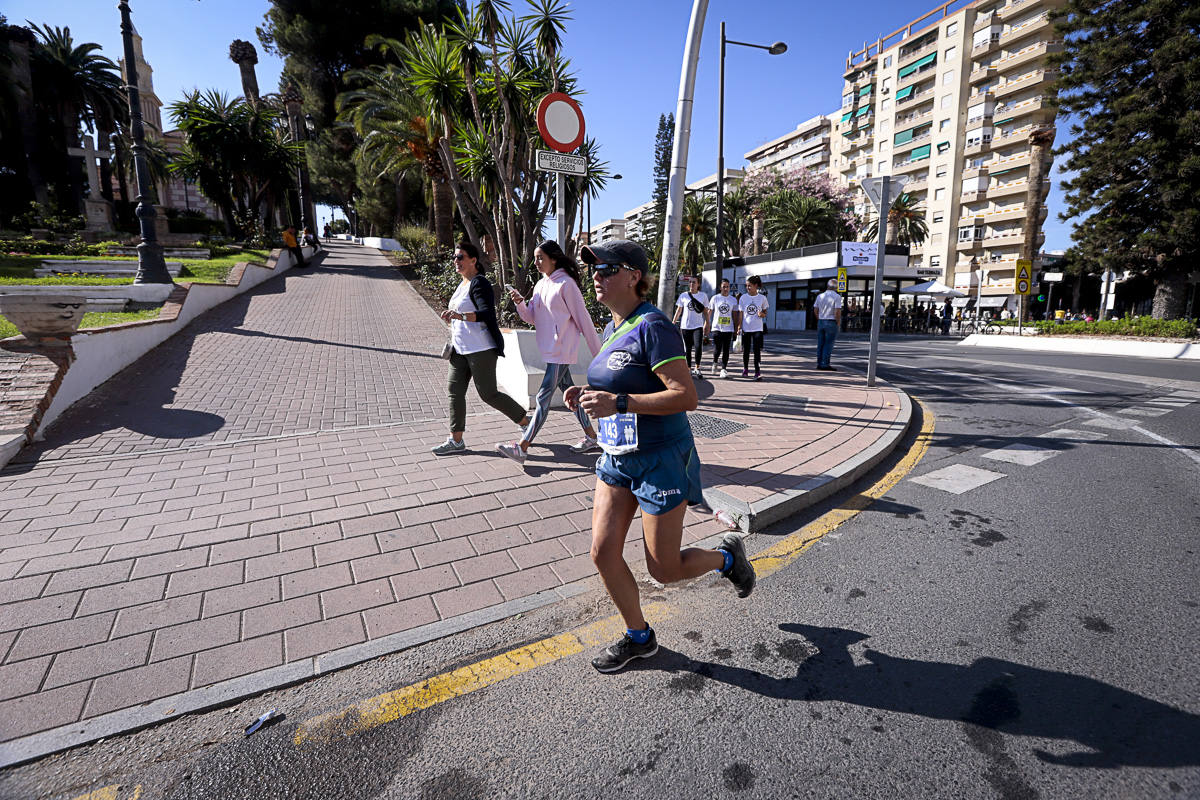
(764, 189)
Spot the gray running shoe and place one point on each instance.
(513, 451)
(585, 445)
(616, 656)
(741, 574)
(449, 447)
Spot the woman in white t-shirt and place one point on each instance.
(722, 321)
(691, 306)
(753, 306)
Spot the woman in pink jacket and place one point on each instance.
(559, 315)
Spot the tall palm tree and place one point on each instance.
(398, 139)
(78, 87)
(698, 232)
(906, 223)
(549, 22)
(739, 221)
(796, 220)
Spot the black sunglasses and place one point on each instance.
(608, 270)
(459, 257)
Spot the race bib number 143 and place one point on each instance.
(618, 434)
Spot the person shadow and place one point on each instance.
(1112, 727)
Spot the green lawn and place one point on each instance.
(19, 269)
(90, 320)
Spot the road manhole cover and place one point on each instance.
(708, 427)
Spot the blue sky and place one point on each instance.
(626, 54)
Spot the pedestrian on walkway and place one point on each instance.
(640, 390)
(476, 344)
(722, 322)
(293, 246)
(753, 308)
(558, 314)
(311, 240)
(326, 233)
(829, 319)
(691, 306)
(947, 317)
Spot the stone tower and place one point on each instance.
(151, 105)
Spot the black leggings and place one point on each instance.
(752, 340)
(694, 339)
(721, 342)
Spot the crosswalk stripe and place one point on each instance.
(958, 478)
(1112, 423)
(1145, 412)
(1026, 455)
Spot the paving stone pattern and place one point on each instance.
(303, 512)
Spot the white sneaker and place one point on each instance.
(724, 374)
(513, 451)
(585, 445)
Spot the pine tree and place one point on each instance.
(1131, 73)
(652, 230)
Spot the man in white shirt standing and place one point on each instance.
(829, 318)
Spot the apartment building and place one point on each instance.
(632, 225)
(806, 147)
(950, 102)
(636, 218)
(609, 229)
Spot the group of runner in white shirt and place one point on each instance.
(726, 317)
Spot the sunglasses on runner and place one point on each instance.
(608, 270)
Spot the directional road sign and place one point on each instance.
(1024, 276)
(549, 161)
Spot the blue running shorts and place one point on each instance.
(660, 479)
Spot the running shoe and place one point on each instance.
(616, 656)
(741, 574)
(513, 451)
(757, 375)
(724, 373)
(745, 373)
(448, 447)
(585, 445)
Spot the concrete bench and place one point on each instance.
(109, 269)
(169, 252)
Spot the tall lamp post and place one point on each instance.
(778, 48)
(978, 287)
(151, 267)
(301, 126)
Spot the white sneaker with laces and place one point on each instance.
(513, 451)
(724, 373)
(585, 445)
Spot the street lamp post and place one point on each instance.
(151, 267)
(978, 287)
(300, 126)
(778, 48)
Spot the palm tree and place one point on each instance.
(549, 23)
(236, 153)
(698, 232)
(738, 210)
(398, 139)
(796, 220)
(906, 223)
(78, 86)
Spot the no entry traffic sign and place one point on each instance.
(560, 121)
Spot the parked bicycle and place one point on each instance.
(984, 326)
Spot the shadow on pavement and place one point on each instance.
(1115, 727)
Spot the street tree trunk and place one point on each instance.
(1039, 140)
(443, 212)
(1170, 295)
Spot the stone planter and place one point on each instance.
(44, 316)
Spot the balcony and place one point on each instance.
(1014, 136)
(1006, 213)
(1007, 189)
(917, 183)
(913, 55)
(982, 73)
(914, 77)
(976, 148)
(1029, 79)
(985, 47)
(1029, 106)
(1011, 8)
(1034, 52)
(924, 93)
(915, 119)
(1021, 159)
(1038, 23)
(863, 79)
(983, 21)
(909, 166)
(915, 141)
(969, 244)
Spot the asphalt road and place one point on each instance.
(1016, 618)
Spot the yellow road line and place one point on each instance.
(110, 793)
(391, 706)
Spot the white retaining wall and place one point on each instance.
(103, 352)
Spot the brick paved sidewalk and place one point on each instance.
(257, 493)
